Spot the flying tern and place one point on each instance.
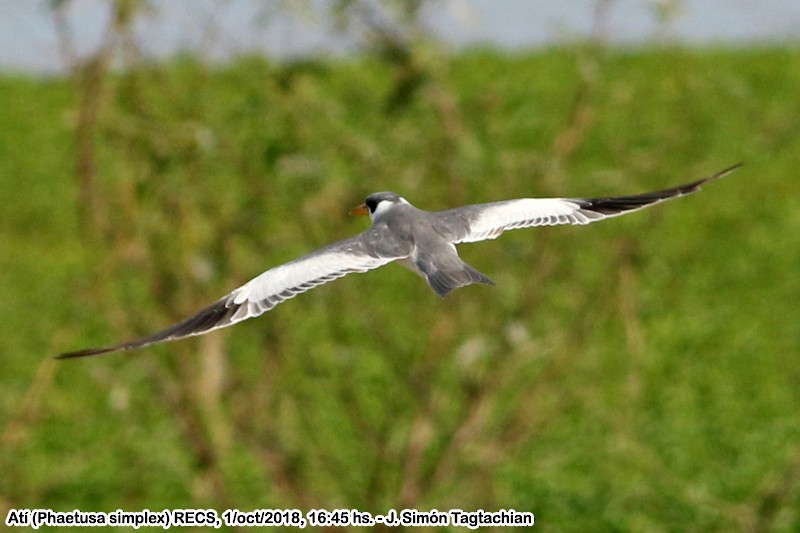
(424, 241)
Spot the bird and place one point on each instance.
(423, 241)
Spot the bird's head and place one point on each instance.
(378, 204)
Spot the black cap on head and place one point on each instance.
(373, 200)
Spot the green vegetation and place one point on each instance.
(640, 374)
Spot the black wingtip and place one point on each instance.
(214, 316)
(89, 351)
(721, 174)
(619, 204)
(694, 186)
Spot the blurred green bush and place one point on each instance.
(639, 374)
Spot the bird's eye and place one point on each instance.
(372, 203)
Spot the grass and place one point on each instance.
(640, 374)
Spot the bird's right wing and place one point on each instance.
(361, 253)
(487, 221)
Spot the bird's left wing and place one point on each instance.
(357, 254)
(487, 221)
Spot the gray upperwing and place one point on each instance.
(366, 251)
(487, 221)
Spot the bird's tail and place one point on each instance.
(445, 280)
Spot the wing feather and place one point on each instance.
(361, 253)
(488, 221)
